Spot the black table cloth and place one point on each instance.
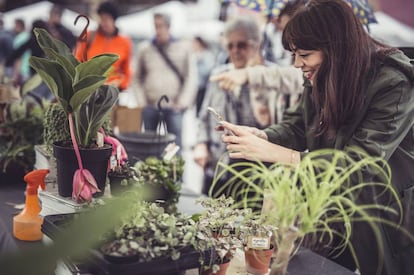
(304, 263)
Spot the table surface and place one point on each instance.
(304, 263)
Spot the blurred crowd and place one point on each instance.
(180, 70)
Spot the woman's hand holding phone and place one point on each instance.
(219, 118)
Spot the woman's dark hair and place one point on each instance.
(291, 7)
(348, 52)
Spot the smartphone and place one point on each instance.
(219, 118)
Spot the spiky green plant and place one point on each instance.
(309, 198)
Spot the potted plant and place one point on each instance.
(162, 178)
(20, 131)
(309, 198)
(217, 230)
(121, 178)
(79, 89)
(148, 234)
(256, 236)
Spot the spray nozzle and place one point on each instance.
(34, 179)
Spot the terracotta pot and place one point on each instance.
(258, 261)
(222, 271)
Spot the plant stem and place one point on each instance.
(286, 245)
(75, 144)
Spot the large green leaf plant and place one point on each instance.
(78, 86)
(80, 89)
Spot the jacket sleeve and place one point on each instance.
(204, 127)
(140, 73)
(290, 132)
(126, 64)
(388, 118)
(79, 49)
(284, 79)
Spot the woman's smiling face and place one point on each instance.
(308, 61)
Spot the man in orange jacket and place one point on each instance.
(106, 39)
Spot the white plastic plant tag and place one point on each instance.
(255, 242)
(100, 140)
(112, 162)
(118, 153)
(170, 151)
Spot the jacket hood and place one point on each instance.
(400, 61)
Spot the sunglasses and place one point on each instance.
(242, 45)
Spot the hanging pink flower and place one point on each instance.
(84, 184)
(123, 157)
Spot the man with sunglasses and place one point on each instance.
(249, 106)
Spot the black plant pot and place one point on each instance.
(95, 160)
(139, 146)
(115, 182)
(156, 192)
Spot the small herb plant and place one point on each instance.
(217, 229)
(256, 227)
(162, 177)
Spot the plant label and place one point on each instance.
(100, 140)
(112, 162)
(170, 151)
(256, 242)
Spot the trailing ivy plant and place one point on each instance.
(308, 198)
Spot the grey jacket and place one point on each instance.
(225, 104)
(155, 78)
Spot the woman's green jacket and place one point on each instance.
(384, 127)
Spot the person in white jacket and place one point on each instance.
(253, 105)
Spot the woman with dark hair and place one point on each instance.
(357, 92)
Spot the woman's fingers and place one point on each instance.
(237, 155)
(236, 130)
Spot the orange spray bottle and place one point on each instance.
(27, 224)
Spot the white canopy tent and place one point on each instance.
(183, 22)
(41, 10)
(391, 31)
(141, 24)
